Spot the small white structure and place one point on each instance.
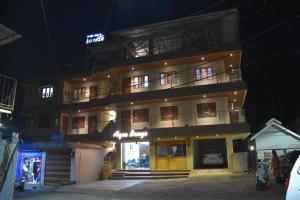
(274, 136)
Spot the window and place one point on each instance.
(93, 92)
(44, 122)
(79, 93)
(140, 115)
(170, 150)
(168, 113)
(203, 73)
(206, 110)
(47, 92)
(78, 122)
(167, 78)
(141, 81)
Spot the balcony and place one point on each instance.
(185, 120)
(183, 81)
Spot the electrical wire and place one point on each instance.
(49, 40)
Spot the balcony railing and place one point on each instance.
(182, 80)
(185, 120)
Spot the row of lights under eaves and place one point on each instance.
(202, 58)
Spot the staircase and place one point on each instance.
(147, 174)
(57, 170)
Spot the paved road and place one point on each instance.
(205, 188)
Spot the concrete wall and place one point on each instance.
(187, 114)
(103, 118)
(185, 74)
(88, 164)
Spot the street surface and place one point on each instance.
(202, 188)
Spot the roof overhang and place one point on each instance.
(273, 125)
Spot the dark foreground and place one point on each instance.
(205, 188)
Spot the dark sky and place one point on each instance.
(269, 31)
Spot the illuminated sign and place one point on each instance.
(99, 37)
(132, 133)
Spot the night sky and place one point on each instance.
(269, 32)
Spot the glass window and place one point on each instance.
(47, 92)
(168, 113)
(141, 81)
(206, 110)
(140, 115)
(167, 78)
(171, 150)
(203, 73)
(78, 122)
(79, 93)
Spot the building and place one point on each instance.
(165, 96)
(274, 136)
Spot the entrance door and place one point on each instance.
(126, 85)
(135, 155)
(125, 120)
(170, 155)
(234, 116)
(65, 123)
(92, 124)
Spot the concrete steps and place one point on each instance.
(57, 169)
(135, 174)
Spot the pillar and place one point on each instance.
(189, 154)
(229, 147)
(152, 155)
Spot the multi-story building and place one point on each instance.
(165, 96)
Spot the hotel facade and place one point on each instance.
(161, 97)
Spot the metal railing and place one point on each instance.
(182, 80)
(184, 120)
(8, 87)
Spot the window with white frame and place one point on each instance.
(204, 73)
(141, 81)
(47, 92)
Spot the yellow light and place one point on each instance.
(166, 99)
(231, 54)
(202, 58)
(131, 103)
(165, 63)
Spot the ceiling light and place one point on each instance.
(235, 92)
(79, 110)
(84, 79)
(132, 68)
(234, 100)
(158, 138)
(231, 54)
(136, 56)
(166, 99)
(202, 58)
(175, 137)
(131, 103)
(204, 96)
(106, 107)
(197, 136)
(108, 76)
(165, 63)
(217, 135)
(230, 65)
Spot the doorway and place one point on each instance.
(126, 120)
(92, 126)
(210, 153)
(65, 125)
(135, 155)
(126, 85)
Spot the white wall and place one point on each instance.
(276, 140)
(187, 114)
(88, 164)
(181, 77)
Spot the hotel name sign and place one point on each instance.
(132, 134)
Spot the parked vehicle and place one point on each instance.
(293, 191)
(287, 162)
(213, 158)
(261, 176)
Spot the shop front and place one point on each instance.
(31, 167)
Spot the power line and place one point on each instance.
(49, 39)
(271, 28)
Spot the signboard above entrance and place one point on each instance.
(132, 134)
